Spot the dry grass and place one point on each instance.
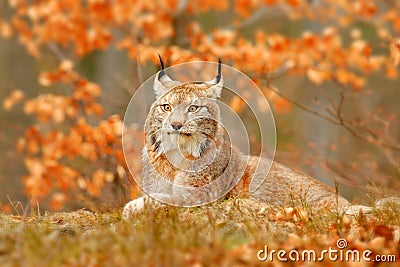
(221, 234)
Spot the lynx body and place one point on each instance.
(187, 161)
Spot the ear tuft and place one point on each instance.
(162, 82)
(217, 83)
(219, 75)
(162, 72)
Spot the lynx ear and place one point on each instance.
(162, 82)
(217, 83)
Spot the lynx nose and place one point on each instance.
(176, 125)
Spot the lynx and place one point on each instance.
(187, 161)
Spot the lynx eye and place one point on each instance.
(193, 108)
(166, 107)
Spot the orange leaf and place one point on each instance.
(237, 104)
(293, 3)
(15, 97)
(92, 189)
(66, 65)
(5, 30)
(315, 76)
(367, 51)
(384, 231)
(395, 51)
(57, 200)
(391, 72)
(45, 79)
(6, 208)
(269, 2)
(282, 105)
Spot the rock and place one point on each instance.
(356, 210)
(389, 202)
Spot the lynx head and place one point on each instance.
(183, 122)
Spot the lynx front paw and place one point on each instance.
(133, 207)
(138, 205)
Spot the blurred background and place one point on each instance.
(68, 70)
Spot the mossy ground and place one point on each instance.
(228, 233)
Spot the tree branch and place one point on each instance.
(336, 117)
(56, 51)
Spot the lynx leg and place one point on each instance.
(138, 205)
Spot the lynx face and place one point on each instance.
(183, 122)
